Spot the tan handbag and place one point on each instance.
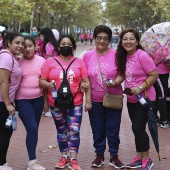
(114, 101)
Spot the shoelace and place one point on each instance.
(63, 159)
(135, 159)
(144, 162)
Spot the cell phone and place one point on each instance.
(127, 91)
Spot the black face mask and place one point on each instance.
(66, 51)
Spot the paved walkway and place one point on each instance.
(18, 159)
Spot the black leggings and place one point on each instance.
(5, 133)
(160, 104)
(138, 118)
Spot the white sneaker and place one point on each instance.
(5, 167)
(35, 166)
(48, 114)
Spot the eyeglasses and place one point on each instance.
(99, 38)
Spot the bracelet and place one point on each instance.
(141, 88)
(88, 102)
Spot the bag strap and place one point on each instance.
(3, 52)
(65, 71)
(99, 65)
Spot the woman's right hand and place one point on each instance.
(84, 87)
(50, 85)
(11, 109)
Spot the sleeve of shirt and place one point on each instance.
(6, 61)
(84, 73)
(45, 69)
(147, 63)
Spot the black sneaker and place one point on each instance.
(114, 161)
(98, 161)
(136, 163)
(165, 124)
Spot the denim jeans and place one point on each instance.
(105, 124)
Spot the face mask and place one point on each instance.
(34, 33)
(66, 51)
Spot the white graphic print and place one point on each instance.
(71, 76)
(129, 77)
(103, 66)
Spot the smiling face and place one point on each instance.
(16, 47)
(102, 42)
(129, 43)
(29, 50)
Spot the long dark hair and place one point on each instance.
(48, 37)
(9, 37)
(122, 53)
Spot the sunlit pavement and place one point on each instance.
(18, 158)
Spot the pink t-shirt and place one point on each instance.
(109, 70)
(138, 66)
(50, 50)
(39, 46)
(9, 62)
(51, 70)
(163, 68)
(29, 86)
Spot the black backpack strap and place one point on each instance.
(65, 71)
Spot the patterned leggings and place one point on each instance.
(68, 124)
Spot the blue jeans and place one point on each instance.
(30, 111)
(105, 123)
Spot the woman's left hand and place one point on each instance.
(87, 107)
(46, 106)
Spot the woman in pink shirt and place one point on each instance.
(39, 43)
(10, 76)
(160, 105)
(105, 122)
(50, 43)
(29, 99)
(67, 121)
(137, 66)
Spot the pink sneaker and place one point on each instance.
(73, 165)
(62, 163)
(136, 163)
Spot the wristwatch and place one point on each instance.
(141, 88)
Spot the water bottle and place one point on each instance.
(14, 121)
(8, 121)
(141, 100)
(54, 91)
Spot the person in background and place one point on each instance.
(160, 104)
(50, 43)
(4, 32)
(105, 122)
(67, 122)
(91, 38)
(49, 49)
(137, 67)
(85, 38)
(39, 43)
(29, 99)
(10, 76)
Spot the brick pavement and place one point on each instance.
(18, 158)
